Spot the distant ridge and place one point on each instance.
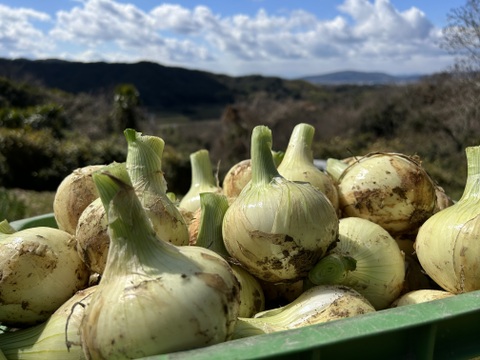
(360, 78)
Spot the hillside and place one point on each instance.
(360, 78)
(160, 87)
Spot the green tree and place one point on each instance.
(126, 113)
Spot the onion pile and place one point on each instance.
(281, 245)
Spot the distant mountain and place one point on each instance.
(160, 87)
(360, 78)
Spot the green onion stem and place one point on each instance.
(472, 185)
(213, 208)
(6, 228)
(299, 148)
(331, 269)
(144, 162)
(202, 172)
(335, 168)
(263, 166)
(132, 238)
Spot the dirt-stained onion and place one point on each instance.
(390, 189)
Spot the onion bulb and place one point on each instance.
(213, 206)
(316, 305)
(420, 296)
(55, 339)
(154, 297)
(390, 189)
(297, 163)
(241, 173)
(276, 228)
(73, 195)
(144, 165)
(236, 178)
(447, 244)
(39, 270)
(366, 258)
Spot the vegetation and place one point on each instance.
(45, 133)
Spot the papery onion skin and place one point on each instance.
(236, 178)
(39, 270)
(154, 297)
(375, 265)
(276, 240)
(73, 195)
(55, 339)
(390, 189)
(420, 296)
(319, 304)
(447, 244)
(276, 228)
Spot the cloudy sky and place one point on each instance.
(287, 38)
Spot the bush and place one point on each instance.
(37, 160)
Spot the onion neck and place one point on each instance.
(133, 246)
(144, 162)
(213, 208)
(299, 149)
(6, 228)
(202, 172)
(263, 166)
(335, 168)
(332, 269)
(472, 185)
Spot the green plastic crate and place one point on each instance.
(441, 329)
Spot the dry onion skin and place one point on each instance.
(39, 270)
(144, 164)
(420, 296)
(73, 195)
(154, 297)
(389, 189)
(319, 304)
(277, 229)
(366, 258)
(447, 244)
(213, 207)
(236, 178)
(55, 339)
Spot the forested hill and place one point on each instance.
(160, 87)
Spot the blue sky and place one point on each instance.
(270, 37)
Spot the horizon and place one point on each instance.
(293, 39)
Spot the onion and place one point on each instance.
(144, 164)
(202, 180)
(447, 243)
(154, 297)
(390, 189)
(55, 339)
(420, 296)
(276, 228)
(316, 305)
(236, 178)
(214, 206)
(73, 195)
(297, 164)
(39, 270)
(241, 173)
(366, 258)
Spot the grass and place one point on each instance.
(20, 204)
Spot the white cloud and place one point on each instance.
(366, 35)
(18, 34)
